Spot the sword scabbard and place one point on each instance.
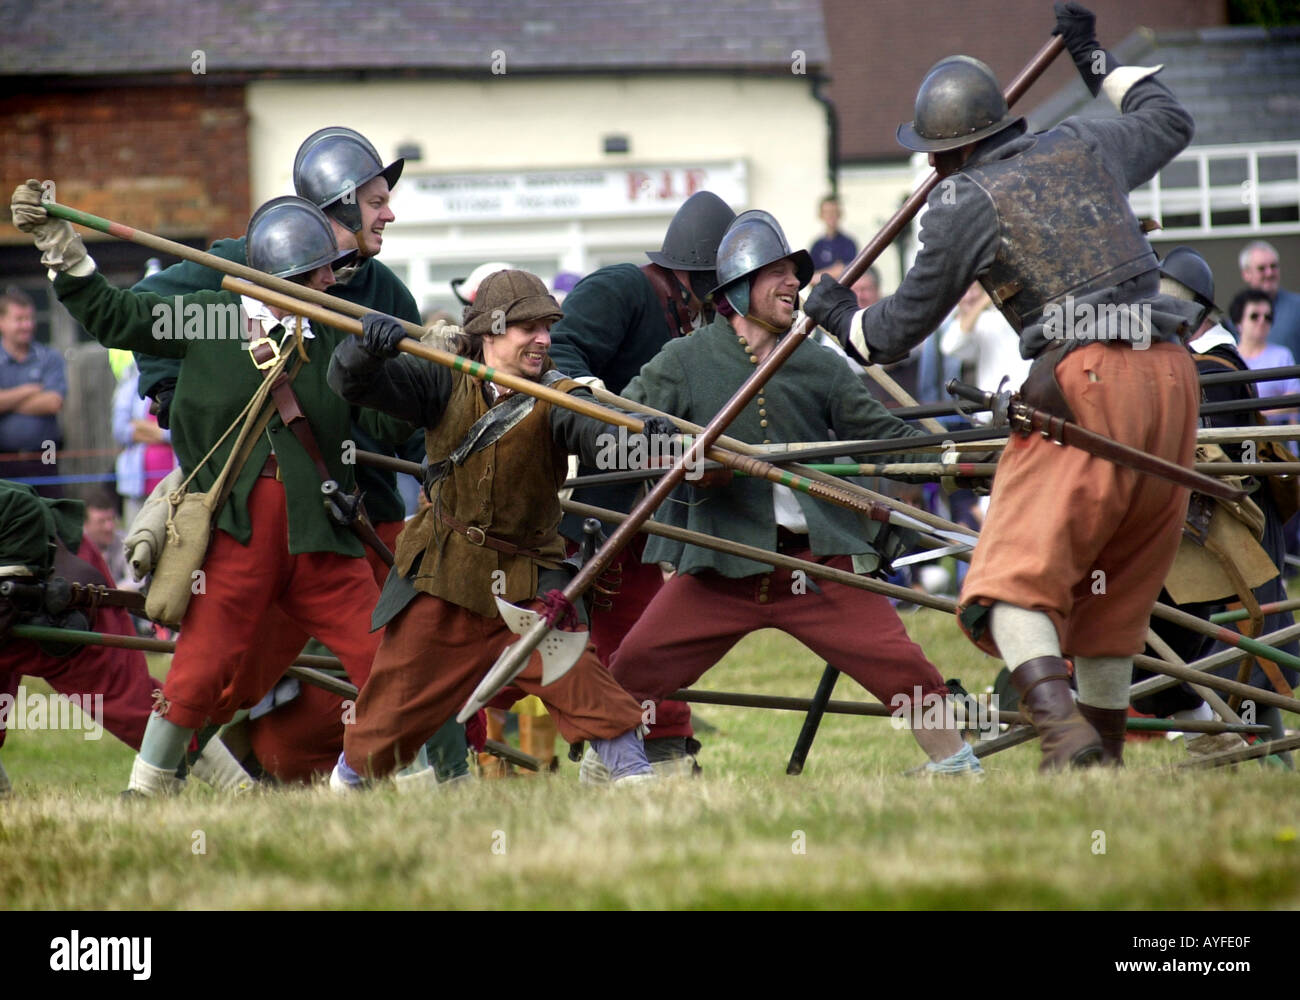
(1026, 419)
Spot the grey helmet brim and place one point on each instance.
(333, 163)
(752, 242)
(909, 138)
(289, 236)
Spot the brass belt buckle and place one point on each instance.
(476, 535)
(275, 353)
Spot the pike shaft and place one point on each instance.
(1277, 607)
(832, 492)
(216, 263)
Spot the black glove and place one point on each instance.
(658, 427)
(831, 306)
(161, 407)
(380, 335)
(981, 486)
(1078, 26)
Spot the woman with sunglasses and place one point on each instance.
(1252, 314)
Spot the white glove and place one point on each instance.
(61, 248)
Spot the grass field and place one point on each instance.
(850, 832)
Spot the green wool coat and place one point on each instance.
(374, 286)
(215, 383)
(811, 395)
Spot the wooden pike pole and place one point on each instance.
(162, 245)
(306, 668)
(1277, 607)
(1174, 671)
(834, 492)
(516, 656)
(351, 309)
(788, 461)
(816, 570)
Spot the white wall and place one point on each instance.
(518, 123)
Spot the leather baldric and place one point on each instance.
(490, 428)
(265, 352)
(672, 299)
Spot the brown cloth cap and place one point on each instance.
(509, 297)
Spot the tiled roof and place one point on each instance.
(110, 37)
(881, 50)
(1241, 84)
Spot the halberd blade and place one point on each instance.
(559, 650)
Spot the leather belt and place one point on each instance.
(477, 536)
(271, 468)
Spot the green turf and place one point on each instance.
(849, 832)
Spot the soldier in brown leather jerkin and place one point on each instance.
(496, 462)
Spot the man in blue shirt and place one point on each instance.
(834, 250)
(33, 382)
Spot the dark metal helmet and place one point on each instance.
(752, 242)
(959, 102)
(332, 164)
(691, 243)
(289, 236)
(1189, 269)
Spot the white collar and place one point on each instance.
(1215, 336)
(256, 309)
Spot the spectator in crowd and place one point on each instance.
(1252, 313)
(147, 454)
(563, 283)
(833, 251)
(33, 382)
(867, 288)
(979, 337)
(1261, 270)
(102, 530)
(432, 316)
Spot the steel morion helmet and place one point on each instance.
(289, 236)
(332, 164)
(752, 242)
(959, 102)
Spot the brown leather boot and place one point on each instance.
(1112, 724)
(1067, 738)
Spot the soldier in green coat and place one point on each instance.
(715, 598)
(274, 546)
(339, 171)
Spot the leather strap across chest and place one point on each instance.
(671, 299)
(264, 353)
(286, 404)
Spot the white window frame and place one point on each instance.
(1155, 201)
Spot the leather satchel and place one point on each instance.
(190, 515)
